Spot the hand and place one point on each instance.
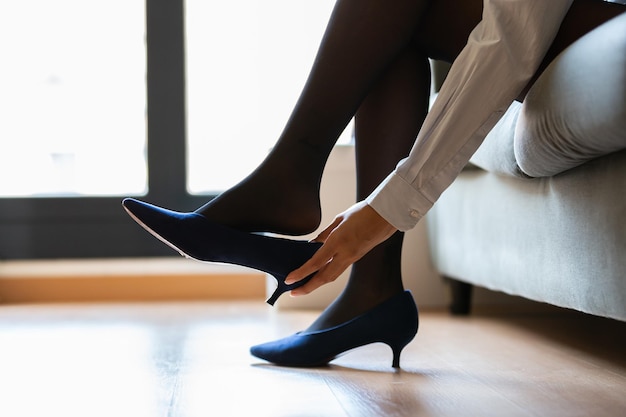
(349, 237)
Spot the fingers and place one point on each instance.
(328, 263)
(326, 274)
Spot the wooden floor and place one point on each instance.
(191, 359)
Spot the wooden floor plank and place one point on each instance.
(191, 359)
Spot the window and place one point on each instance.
(73, 122)
(93, 108)
(73, 98)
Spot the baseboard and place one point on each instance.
(125, 280)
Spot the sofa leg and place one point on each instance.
(461, 297)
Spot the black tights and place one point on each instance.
(373, 64)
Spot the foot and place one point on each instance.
(252, 206)
(280, 196)
(394, 322)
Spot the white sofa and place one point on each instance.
(541, 210)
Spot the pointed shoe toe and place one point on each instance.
(393, 322)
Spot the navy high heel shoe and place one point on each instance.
(196, 237)
(393, 322)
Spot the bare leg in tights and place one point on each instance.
(386, 125)
(372, 62)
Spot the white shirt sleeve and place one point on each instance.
(502, 54)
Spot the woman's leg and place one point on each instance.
(282, 194)
(361, 49)
(386, 125)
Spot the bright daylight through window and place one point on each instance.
(72, 98)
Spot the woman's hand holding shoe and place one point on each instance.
(347, 239)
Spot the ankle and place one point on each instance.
(266, 209)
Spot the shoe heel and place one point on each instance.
(397, 350)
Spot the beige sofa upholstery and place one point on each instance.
(541, 211)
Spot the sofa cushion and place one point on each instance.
(576, 110)
(496, 153)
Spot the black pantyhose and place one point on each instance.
(386, 125)
(372, 63)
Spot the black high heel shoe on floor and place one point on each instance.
(393, 322)
(196, 237)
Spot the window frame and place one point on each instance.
(98, 227)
